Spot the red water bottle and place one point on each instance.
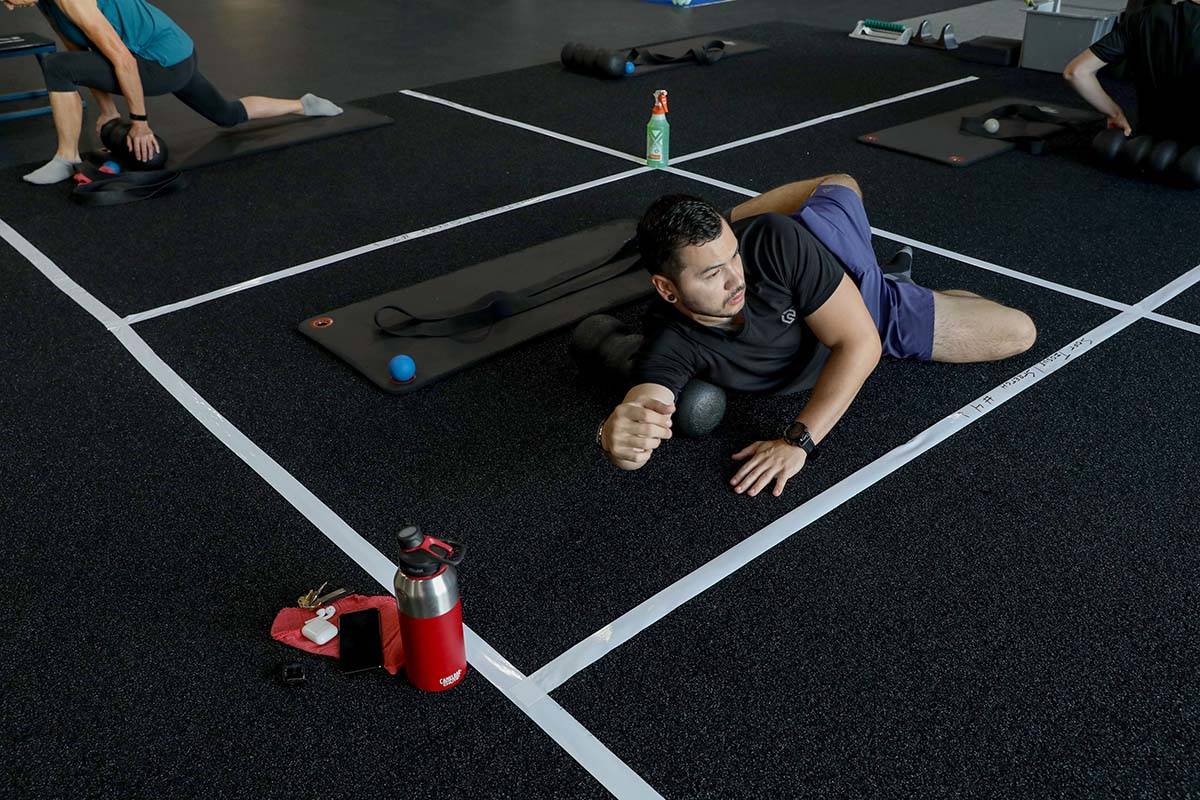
(431, 628)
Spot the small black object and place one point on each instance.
(994, 50)
(699, 408)
(1134, 152)
(291, 673)
(360, 643)
(1187, 168)
(1107, 144)
(1162, 157)
(113, 135)
(602, 342)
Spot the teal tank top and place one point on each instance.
(144, 29)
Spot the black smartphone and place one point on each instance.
(361, 647)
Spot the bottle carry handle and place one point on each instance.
(452, 551)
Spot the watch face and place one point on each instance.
(796, 431)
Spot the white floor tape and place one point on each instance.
(597, 759)
(562, 137)
(308, 266)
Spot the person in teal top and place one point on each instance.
(131, 48)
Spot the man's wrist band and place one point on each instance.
(138, 117)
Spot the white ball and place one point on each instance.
(991, 125)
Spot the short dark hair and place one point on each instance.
(672, 222)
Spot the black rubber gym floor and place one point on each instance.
(1011, 614)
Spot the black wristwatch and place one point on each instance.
(797, 434)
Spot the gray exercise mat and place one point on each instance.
(212, 145)
(939, 139)
(350, 333)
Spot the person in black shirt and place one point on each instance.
(1161, 47)
(753, 303)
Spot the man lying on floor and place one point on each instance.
(745, 303)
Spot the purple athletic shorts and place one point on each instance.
(903, 312)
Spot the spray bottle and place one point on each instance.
(658, 133)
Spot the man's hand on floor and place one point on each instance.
(765, 462)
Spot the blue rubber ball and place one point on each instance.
(402, 369)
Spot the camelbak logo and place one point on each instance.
(656, 146)
(789, 316)
(449, 679)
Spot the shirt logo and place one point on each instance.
(789, 316)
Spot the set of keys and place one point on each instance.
(314, 598)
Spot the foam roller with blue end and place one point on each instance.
(594, 61)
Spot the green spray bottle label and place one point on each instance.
(658, 133)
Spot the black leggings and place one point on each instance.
(66, 71)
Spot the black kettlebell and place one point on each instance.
(114, 134)
(1107, 144)
(1188, 168)
(1135, 151)
(1162, 157)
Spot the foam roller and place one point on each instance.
(594, 61)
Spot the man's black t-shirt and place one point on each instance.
(1161, 44)
(789, 275)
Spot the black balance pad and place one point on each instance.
(212, 145)
(938, 138)
(350, 333)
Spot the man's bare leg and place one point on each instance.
(969, 328)
(789, 198)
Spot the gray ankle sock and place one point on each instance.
(55, 170)
(318, 106)
(899, 269)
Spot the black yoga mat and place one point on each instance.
(212, 145)
(938, 138)
(351, 334)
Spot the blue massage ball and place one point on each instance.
(402, 368)
(111, 167)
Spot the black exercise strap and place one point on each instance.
(495, 306)
(1028, 126)
(127, 187)
(708, 53)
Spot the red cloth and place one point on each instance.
(289, 621)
